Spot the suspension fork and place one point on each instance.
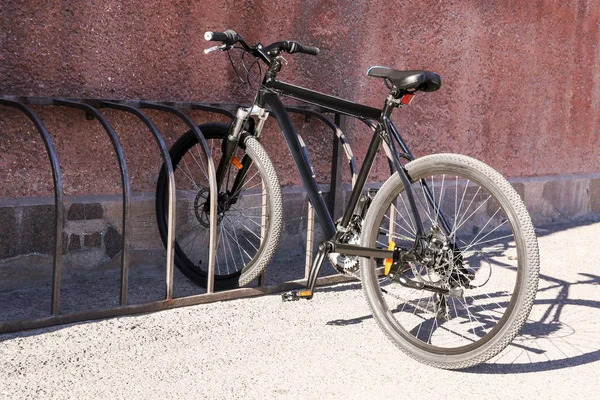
(243, 127)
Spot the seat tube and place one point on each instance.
(367, 164)
(362, 177)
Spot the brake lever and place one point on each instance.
(214, 48)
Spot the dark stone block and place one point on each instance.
(113, 241)
(7, 232)
(74, 242)
(93, 240)
(38, 227)
(94, 211)
(296, 209)
(76, 212)
(568, 197)
(26, 230)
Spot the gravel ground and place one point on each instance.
(329, 348)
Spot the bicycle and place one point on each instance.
(448, 255)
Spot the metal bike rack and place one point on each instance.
(92, 109)
(58, 197)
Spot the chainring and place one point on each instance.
(341, 262)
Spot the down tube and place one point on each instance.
(291, 137)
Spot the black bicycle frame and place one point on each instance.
(270, 96)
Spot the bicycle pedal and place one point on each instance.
(295, 295)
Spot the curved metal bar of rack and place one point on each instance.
(125, 184)
(164, 151)
(58, 198)
(224, 109)
(212, 180)
(335, 190)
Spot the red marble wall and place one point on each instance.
(521, 79)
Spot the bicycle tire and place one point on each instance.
(486, 332)
(253, 253)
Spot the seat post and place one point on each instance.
(394, 100)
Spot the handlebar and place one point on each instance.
(230, 38)
(292, 47)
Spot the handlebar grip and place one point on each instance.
(292, 47)
(228, 37)
(312, 50)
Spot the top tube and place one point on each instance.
(329, 102)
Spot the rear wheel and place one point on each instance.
(488, 259)
(249, 220)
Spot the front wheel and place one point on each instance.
(479, 243)
(249, 209)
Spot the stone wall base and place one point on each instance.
(92, 235)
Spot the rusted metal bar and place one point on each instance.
(58, 199)
(227, 109)
(392, 226)
(335, 189)
(164, 151)
(124, 182)
(212, 251)
(166, 304)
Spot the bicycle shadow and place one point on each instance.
(561, 331)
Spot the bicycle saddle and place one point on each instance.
(408, 80)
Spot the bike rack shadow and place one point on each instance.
(92, 109)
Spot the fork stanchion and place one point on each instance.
(164, 151)
(125, 183)
(212, 250)
(58, 199)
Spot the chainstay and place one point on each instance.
(397, 297)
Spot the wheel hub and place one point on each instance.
(202, 207)
(444, 259)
